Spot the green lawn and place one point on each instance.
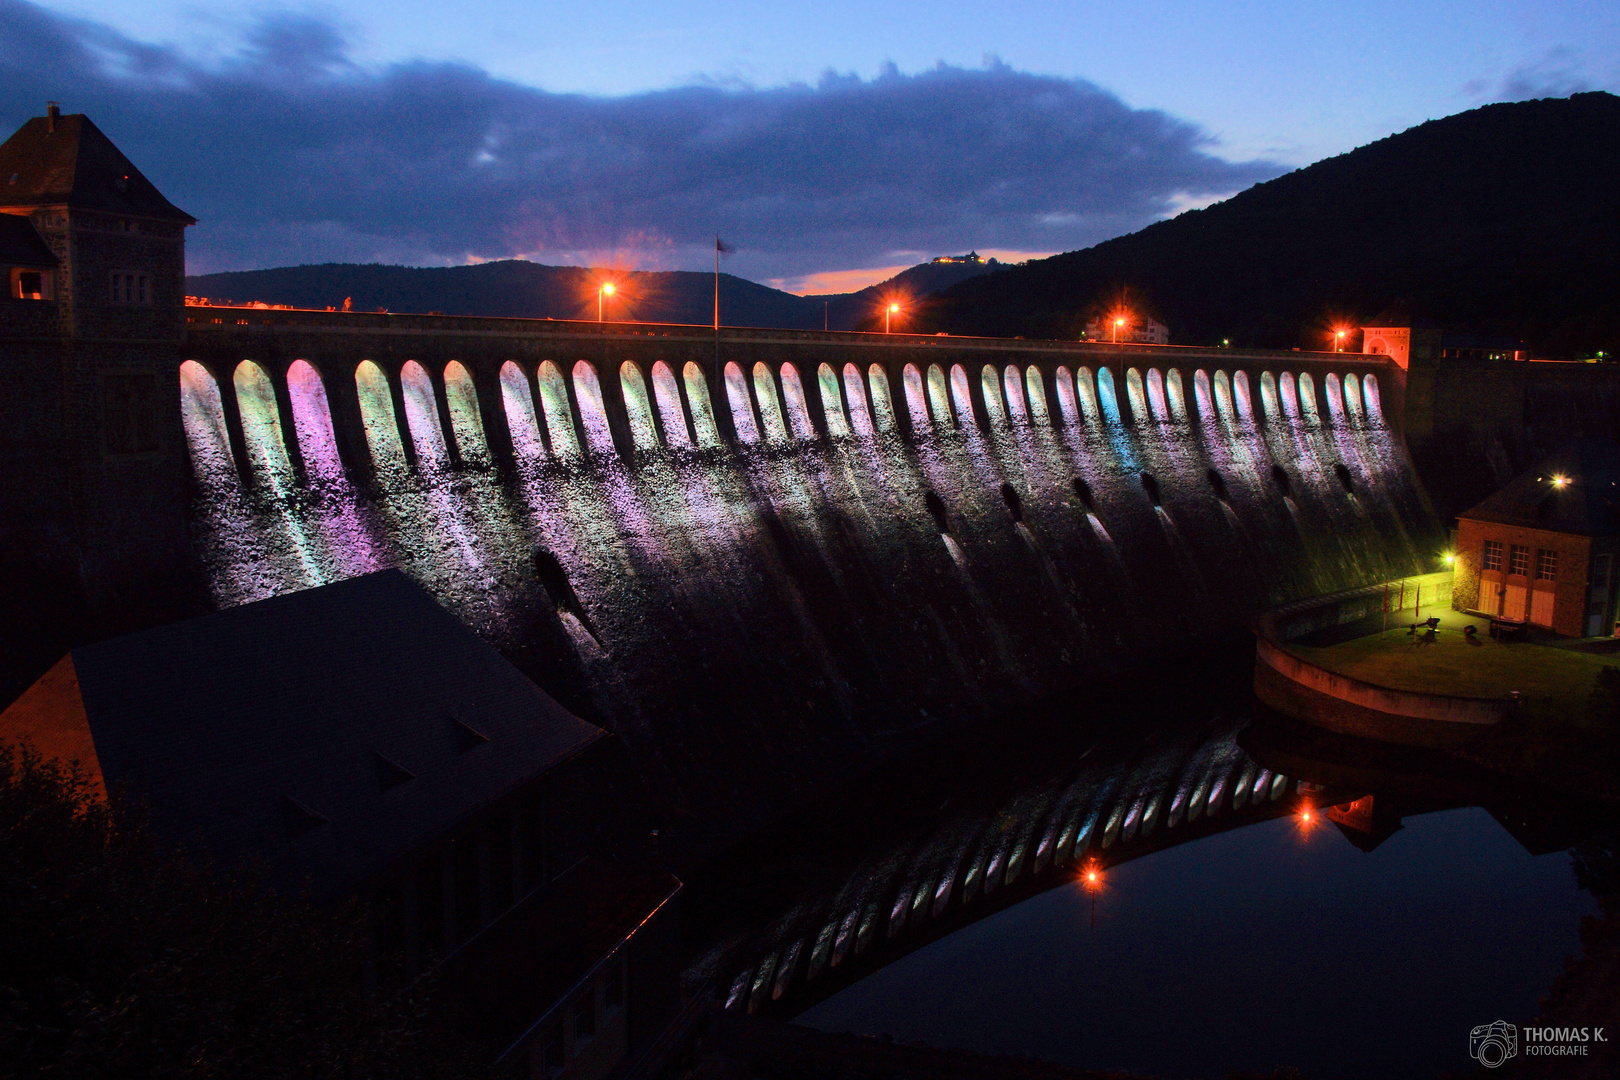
(1553, 684)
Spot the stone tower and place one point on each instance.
(92, 454)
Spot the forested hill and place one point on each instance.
(1501, 221)
(533, 290)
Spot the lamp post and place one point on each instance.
(888, 313)
(1338, 341)
(1117, 324)
(604, 291)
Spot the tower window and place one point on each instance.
(128, 288)
(30, 284)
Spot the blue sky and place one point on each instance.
(841, 137)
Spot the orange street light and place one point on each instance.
(1117, 324)
(602, 293)
(1560, 481)
(888, 313)
(1338, 340)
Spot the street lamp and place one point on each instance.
(888, 313)
(1117, 324)
(1338, 341)
(602, 293)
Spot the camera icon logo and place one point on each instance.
(1492, 1044)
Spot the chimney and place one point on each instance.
(52, 113)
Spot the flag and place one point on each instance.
(721, 247)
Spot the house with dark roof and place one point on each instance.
(1543, 548)
(358, 739)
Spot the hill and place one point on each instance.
(533, 290)
(1499, 221)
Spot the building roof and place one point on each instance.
(70, 162)
(21, 244)
(322, 733)
(1585, 504)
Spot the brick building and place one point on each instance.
(1543, 549)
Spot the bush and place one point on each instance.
(121, 958)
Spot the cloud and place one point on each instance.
(1557, 73)
(288, 151)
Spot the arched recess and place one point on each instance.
(860, 418)
(1352, 398)
(1137, 395)
(261, 426)
(1288, 396)
(877, 380)
(519, 407)
(1035, 388)
(202, 413)
(798, 410)
(832, 402)
(559, 415)
(637, 407)
(742, 413)
(1335, 400)
(1177, 396)
(1155, 396)
(1107, 396)
(961, 395)
(1085, 391)
(939, 399)
(592, 413)
(1242, 397)
(667, 392)
(916, 398)
(312, 422)
(422, 416)
(466, 425)
(1268, 398)
(697, 394)
(377, 416)
(1012, 385)
(1307, 400)
(770, 407)
(1223, 398)
(1374, 403)
(994, 406)
(1068, 404)
(1203, 396)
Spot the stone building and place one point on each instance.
(1136, 330)
(1543, 548)
(357, 739)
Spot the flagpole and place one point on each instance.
(716, 309)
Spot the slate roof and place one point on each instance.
(1586, 505)
(317, 732)
(77, 166)
(21, 244)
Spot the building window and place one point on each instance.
(1546, 564)
(1493, 555)
(1521, 560)
(130, 288)
(585, 1016)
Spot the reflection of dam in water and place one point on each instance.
(1121, 798)
(799, 555)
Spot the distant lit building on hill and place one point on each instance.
(1544, 548)
(970, 257)
(1134, 329)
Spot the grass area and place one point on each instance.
(1553, 684)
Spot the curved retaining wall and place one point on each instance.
(1295, 686)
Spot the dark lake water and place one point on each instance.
(1268, 945)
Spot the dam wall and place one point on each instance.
(768, 571)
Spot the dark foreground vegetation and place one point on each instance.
(119, 959)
